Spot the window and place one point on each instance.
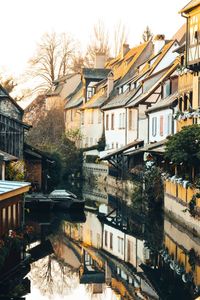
(98, 240)
(112, 146)
(111, 240)
(117, 145)
(130, 119)
(99, 116)
(107, 122)
(106, 238)
(120, 245)
(123, 120)
(166, 89)
(169, 124)
(120, 121)
(120, 90)
(112, 121)
(90, 92)
(185, 103)
(181, 104)
(129, 251)
(86, 142)
(154, 126)
(161, 125)
(91, 141)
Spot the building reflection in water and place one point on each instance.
(111, 252)
(182, 254)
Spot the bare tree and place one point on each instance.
(52, 59)
(8, 83)
(46, 134)
(78, 62)
(120, 37)
(147, 34)
(99, 43)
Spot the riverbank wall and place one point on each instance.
(98, 174)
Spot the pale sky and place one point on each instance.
(23, 22)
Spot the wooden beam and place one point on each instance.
(14, 193)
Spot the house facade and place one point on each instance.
(61, 89)
(181, 187)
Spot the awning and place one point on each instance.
(10, 189)
(7, 157)
(134, 144)
(158, 147)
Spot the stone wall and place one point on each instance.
(97, 174)
(181, 214)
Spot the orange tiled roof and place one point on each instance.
(192, 4)
(96, 101)
(127, 62)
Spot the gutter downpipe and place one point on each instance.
(186, 52)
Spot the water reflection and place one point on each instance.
(108, 252)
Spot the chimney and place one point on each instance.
(100, 59)
(110, 83)
(159, 42)
(125, 48)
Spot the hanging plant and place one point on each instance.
(192, 206)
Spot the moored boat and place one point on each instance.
(66, 200)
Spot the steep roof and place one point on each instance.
(5, 94)
(119, 100)
(163, 52)
(56, 89)
(153, 88)
(163, 103)
(96, 101)
(93, 73)
(180, 35)
(128, 61)
(192, 4)
(76, 98)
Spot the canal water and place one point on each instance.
(109, 251)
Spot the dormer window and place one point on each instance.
(90, 92)
(120, 90)
(166, 89)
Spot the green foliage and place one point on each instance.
(149, 191)
(47, 133)
(48, 136)
(15, 171)
(154, 185)
(54, 170)
(71, 157)
(193, 203)
(102, 143)
(91, 159)
(184, 147)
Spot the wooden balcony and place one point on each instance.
(185, 82)
(182, 194)
(182, 123)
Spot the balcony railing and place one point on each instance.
(181, 193)
(182, 123)
(185, 82)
